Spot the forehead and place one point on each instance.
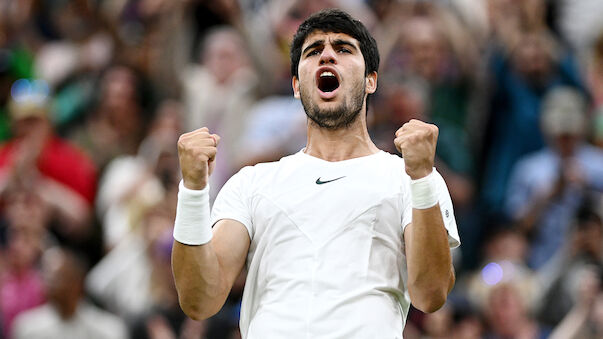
(328, 37)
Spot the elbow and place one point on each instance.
(198, 308)
(428, 299)
(197, 312)
(430, 303)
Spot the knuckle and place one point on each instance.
(182, 144)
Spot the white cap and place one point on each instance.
(563, 112)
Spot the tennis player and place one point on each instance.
(338, 239)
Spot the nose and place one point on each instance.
(328, 56)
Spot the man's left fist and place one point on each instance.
(417, 140)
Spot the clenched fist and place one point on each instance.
(417, 140)
(196, 152)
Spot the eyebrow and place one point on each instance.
(312, 45)
(336, 42)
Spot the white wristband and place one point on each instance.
(192, 225)
(423, 192)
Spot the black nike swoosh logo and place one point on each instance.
(320, 182)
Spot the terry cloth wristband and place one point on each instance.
(423, 191)
(192, 225)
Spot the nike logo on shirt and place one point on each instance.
(320, 182)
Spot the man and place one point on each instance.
(66, 315)
(547, 187)
(337, 239)
(38, 161)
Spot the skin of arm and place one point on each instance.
(428, 259)
(205, 274)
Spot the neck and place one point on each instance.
(341, 144)
(67, 309)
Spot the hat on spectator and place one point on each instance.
(28, 99)
(563, 112)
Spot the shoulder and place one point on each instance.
(267, 169)
(103, 320)
(33, 321)
(591, 158)
(390, 160)
(590, 152)
(250, 180)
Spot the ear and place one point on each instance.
(371, 83)
(295, 85)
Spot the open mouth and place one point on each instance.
(327, 82)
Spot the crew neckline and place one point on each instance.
(345, 161)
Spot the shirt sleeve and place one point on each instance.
(234, 200)
(446, 209)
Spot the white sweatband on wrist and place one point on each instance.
(423, 191)
(192, 225)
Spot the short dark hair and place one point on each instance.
(335, 21)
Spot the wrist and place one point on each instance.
(192, 225)
(194, 185)
(417, 173)
(423, 191)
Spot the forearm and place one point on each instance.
(195, 263)
(201, 289)
(572, 323)
(429, 262)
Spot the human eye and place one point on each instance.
(312, 52)
(344, 50)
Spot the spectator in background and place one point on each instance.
(276, 127)
(134, 279)
(456, 320)
(77, 41)
(118, 122)
(21, 286)
(36, 159)
(223, 75)
(429, 49)
(131, 184)
(583, 251)
(468, 324)
(547, 187)
(528, 66)
(508, 315)
(594, 75)
(585, 319)
(503, 262)
(218, 92)
(66, 315)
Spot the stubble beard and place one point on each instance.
(338, 117)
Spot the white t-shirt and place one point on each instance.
(326, 258)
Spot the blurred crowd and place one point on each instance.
(94, 95)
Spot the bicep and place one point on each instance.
(231, 243)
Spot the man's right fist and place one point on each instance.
(196, 152)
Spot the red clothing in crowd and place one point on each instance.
(62, 162)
